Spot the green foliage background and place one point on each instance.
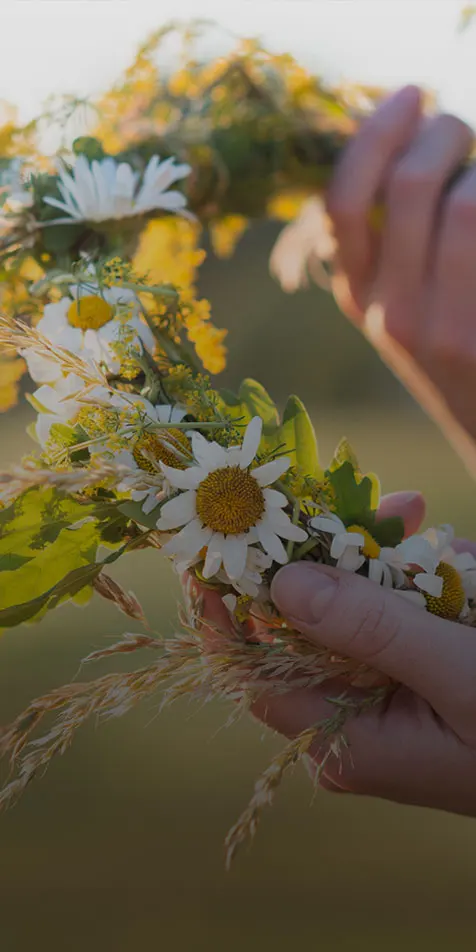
(119, 847)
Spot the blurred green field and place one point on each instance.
(119, 847)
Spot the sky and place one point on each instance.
(80, 46)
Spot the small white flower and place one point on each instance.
(62, 401)
(106, 190)
(257, 562)
(146, 480)
(302, 247)
(59, 404)
(224, 506)
(352, 547)
(88, 323)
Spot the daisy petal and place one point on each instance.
(214, 555)
(431, 584)
(272, 544)
(234, 555)
(280, 523)
(270, 472)
(251, 442)
(178, 511)
(273, 498)
(330, 524)
(189, 541)
(345, 540)
(183, 478)
(351, 560)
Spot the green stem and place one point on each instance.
(305, 547)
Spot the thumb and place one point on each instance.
(357, 618)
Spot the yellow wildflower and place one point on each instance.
(225, 234)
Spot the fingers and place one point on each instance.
(410, 506)
(358, 180)
(399, 751)
(413, 197)
(359, 619)
(452, 327)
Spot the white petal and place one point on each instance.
(178, 511)
(208, 455)
(376, 571)
(345, 540)
(230, 602)
(280, 523)
(251, 441)
(168, 414)
(273, 498)
(351, 560)
(271, 543)
(214, 555)
(418, 551)
(189, 541)
(234, 555)
(330, 524)
(463, 561)
(431, 584)
(150, 503)
(183, 478)
(270, 472)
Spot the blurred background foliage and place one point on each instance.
(119, 847)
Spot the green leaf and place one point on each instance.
(44, 537)
(58, 238)
(298, 438)
(343, 454)
(352, 495)
(10, 561)
(259, 403)
(389, 531)
(133, 510)
(67, 587)
(252, 400)
(88, 146)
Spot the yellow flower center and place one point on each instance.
(89, 312)
(152, 448)
(370, 548)
(230, 500)
(450, 604)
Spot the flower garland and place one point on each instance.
(136, 448)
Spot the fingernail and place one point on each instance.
(303, 591)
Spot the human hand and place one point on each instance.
(418, 747)
(411, 285)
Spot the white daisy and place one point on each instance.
(352, 546)
(224, 506)
(153, 447)
(58, 404)
(106, 189)
(302, 247)
(89, 323)
(62, 402)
